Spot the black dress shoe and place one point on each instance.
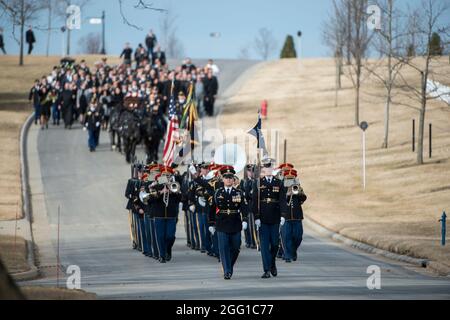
(274, 271)
(227, 276)
(162, 260)
(295, 256)
(266, 275)
(288, 261)
(203, 251)
(168, 257)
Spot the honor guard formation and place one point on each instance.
(130, 101)
(216, 207)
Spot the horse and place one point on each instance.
(130, 132)
(114, 128)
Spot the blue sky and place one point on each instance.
(238, 21)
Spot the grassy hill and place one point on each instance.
(400, 209)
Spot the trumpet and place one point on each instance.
(236, 182)
(295, 189)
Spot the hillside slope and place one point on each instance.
(402, 204)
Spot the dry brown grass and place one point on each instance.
(45, 293)
(15, 83)
(14, 254)
(400, 209)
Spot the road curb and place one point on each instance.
(26, 207)
(437, 267)
(31, 274)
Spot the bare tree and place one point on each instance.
(244, 52)
(387, 43)
(264, 43)
(358, 46)
(50, 7)
(90, 43)
(334, 34)
(141, 5)
(20, 14)
(169, 40)
(431, 18)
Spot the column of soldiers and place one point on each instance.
(216, 207)
(95, 97)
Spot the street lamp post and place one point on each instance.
(364, 126)
(103, 51)
(299, 34)
(101, 21)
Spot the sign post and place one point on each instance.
(364, 126)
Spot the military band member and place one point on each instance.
(228, 221)
(146, 192)
(202, 208)
(165, 208)
(247, 188)
(185, 180)
(154, 171)
(266, 206)
(92, 123)
(140, 225)
(193, 215)
(292, 216)
(131, 193)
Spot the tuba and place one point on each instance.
(174, 187)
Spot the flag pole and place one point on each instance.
(258, 179)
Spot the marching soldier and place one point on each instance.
(154, 172)
(185, 181)
(292, 216)
(247, 187)
(228, 219)
(141, 225)
(266, 206)
(131, 193)
(165, 207)
(202, 208)
(144, 196)
(193, 216)
(92, 124)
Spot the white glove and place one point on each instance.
(282, 221)
(97, 124)
(258, 223)
(244, 225)
(192, 208)
(212, 230)
(84, 128)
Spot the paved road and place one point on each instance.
(94, 235)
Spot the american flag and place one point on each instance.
(172, 135)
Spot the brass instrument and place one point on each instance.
(174, 187)
(236, 182)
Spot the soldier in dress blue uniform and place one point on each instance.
(193, 216)
(146, 193)
(199, 199)
(138, 213)
(228, 221)
(247, 188)
(131, 193)
(94, 118)
(154, 171)
(165, 208)
(267, 210)
(212, 186)
(292, 216)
